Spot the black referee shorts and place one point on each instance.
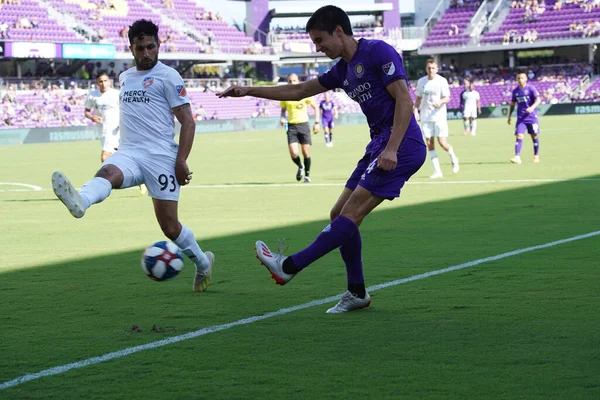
(299, 133)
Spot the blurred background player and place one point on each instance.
(470, 104)
(104, 101)
(433, 93)
(151, 95)
(527, 99)
(328, 114)
(298, 130)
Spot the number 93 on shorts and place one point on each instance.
(157, 171)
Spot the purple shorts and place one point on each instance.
(327, 123)
(527, 127)
(387, 184)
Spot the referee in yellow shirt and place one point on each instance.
(298, 130)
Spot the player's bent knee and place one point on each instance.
(112, 174)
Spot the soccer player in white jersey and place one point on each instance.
(151, 94)
(433, 93)
(104, 101)
(470, 105)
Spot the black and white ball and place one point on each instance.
(162, 261)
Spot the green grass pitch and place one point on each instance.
(524, 326)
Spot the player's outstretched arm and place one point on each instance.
(184, 115)
(281, 93)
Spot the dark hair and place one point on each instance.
(521, 72)
(328, 18)
(141, 28)
(467, 80)
(102, 73)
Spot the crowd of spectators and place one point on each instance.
(45, 107)
(589, 29)
(464, 3)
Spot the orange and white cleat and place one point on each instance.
(273, 262)
(536, 159)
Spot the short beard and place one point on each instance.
(142, 68)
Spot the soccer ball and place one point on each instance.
(162, 261)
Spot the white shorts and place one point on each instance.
(156, 171)
(434, 129)
(110, 140)
(470, 113)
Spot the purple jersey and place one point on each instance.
(373, 67)
(524, 98)
(327, 110)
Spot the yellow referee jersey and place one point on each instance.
(296, 110)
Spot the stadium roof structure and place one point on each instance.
(299, 10)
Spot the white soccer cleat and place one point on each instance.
(67, 194)
(143, 189)
(329, 144)
(350, 302)
(307, 179)
(436, 175)
(273, 262)
(203, 279)
(455, 166)
(516, 160)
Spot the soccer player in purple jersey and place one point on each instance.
(328, 114)
(372, 74)
(527, 99)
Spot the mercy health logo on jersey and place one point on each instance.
(181, 90)
(135, 96)
(148, 81)
(389, 68)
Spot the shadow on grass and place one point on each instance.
(100, 300)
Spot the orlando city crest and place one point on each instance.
(359, 70)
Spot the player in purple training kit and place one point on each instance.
(372, 74)
(527, 99)
(328, 114)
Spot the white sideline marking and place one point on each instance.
(304, 185)
(32, 187)
(216, 328)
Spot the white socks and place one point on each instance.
(435, 161)
(452, 155)
(187, 243)
(95, 191)
(474, 127)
